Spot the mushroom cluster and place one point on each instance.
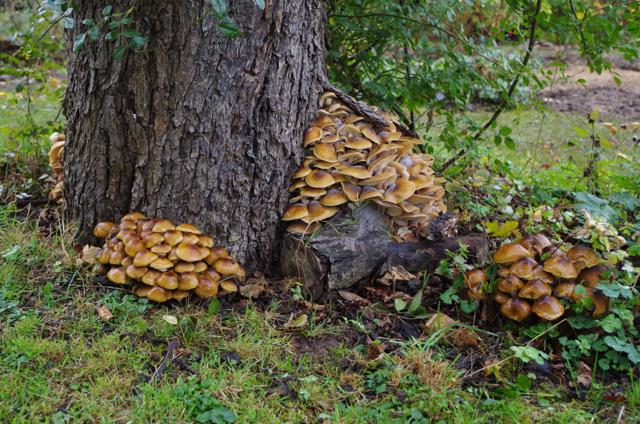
(166, 261)
(349, 160)
(536, 277)
(56, 163)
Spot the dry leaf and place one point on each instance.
(104, 313)
(353, 298)
(253, 287)
(396, 273)
(437, 322)
(584, 375)
(89, 255)
(459, 337)
(170, 319)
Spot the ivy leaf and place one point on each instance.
(118, 52)
(228, 27)
(259, 3)
(611, 324)
(78, 43)
(595, 206)
(106, 11)
(220, 7)
(130, 33)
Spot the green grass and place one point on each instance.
(60, 362)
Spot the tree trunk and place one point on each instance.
(194, 127)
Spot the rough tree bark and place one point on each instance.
(197, 127)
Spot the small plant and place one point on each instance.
(201, 405)
(454, 267)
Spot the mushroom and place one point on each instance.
(179, 294)
(317, 212)
(133, 245)
(118, 275)
(303, 228)
(600, 304)
(226, 266)
(332, 198)
(136, 272)
(188, 281)
(161, 249)
(325, 152)
(161, 264)
(191, 252)
(548, 308)
(168, 280)
(524, 268)
(188, 228)
(500, 298)
(535, 289)
(172, 238)
(206, 288)
(534, 243)
(515, 309)
(560, 265)
(205, 241)
(511, 252)
(319, 179)
(295, 211)
(582, 257)
(150, 277)
(510, 284)
(101, 230)
(400, 191)
(144, 258)
(199, 266)
(591, 277)
(152, 239)
(162, 226)
(158, 294)
(182, 267)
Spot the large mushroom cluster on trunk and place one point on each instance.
(534, 277)
(57, 165)
(350, 160)
(164, 260)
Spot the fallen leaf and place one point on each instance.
(500, 229)
(396, 273)
(104, 313)
(170, 319)
(459, 337)
(584, 375)
(353, 298)
(375, 350)
(299, 321)
(437, 322)
(254, 287)
(89, 254)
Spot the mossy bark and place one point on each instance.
(194, 127)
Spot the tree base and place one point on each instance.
(356, 246)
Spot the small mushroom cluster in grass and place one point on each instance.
(348, 160)
(166, 261)
(56, 163)
(534, 275)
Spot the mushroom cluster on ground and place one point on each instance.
(350, 160)
(56, 163)
(534, 277)
(165, 261)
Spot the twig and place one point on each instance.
(168, 357)
(359, 107)
(512, 87)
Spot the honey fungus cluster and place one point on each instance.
(165, 261)
(350, 160)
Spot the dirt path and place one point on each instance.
(616, 102)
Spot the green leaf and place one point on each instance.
(220, 7)
(416, 302)
(399, 304)
(106, 11)
(78, 43)
(510, 143)
(111, 36)
(259, 3)
(228, 28)
(94, 33)
(130, 33)
(611, 324)
(595, 206)
(505, 131)
(214, 306)
(118, 52)
(580, 132)
(138, 41)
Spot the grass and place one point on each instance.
(60, 362)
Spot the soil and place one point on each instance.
(616, 102)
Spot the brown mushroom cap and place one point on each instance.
(510, 284)
(228, 286)
(317, 212)
(206, 288)
(302, 172)
(144, 258)
(142, 291)
(152, 239)
(475, 278)
(128, 225)
(400, 191)
(205, 241)
(216, 253)
(560, 265)
(118, 275)
(319, 179)
(104, 255)
(136, 272)
(179, 294)
(356, 171)
(191, 252)
(161, 264)
(189, 238)
(500, 297)
(158, 294)
(181, 267)
(504, 272)
(370, 192)
(535, 289)
(591, 277)
(548, 308)
(168, 280)
(173, 238)
(127, 261)
(188, 228)
(524, 268)
(333, 198)
(150, 277)
(350, 190)
(565, 290)
(312, 135)
(199, 266)
(371, 135)
(102, 229)
(534, 243)
(516, 309)
(325, 152)
(299, 227)
(134, 216)
(161, 249)
(163, 225)
(295, 211)
(582, 257)
(226, 266)
(600, 304)
(540, 274)
(133, 245)
(117, 256)
(510, 252)
(188, 281)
